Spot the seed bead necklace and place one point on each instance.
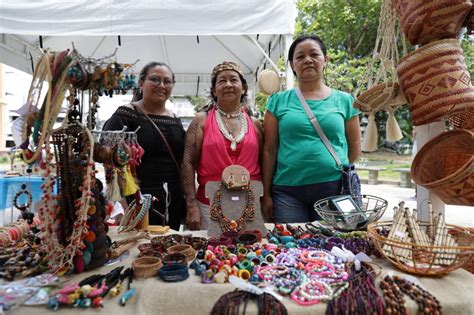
(228, 134)
(235, 114)
(238, 225)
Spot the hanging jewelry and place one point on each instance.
(238, 225)
(228, 134)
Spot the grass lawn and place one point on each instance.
(386, 160)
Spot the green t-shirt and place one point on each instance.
(302, 157)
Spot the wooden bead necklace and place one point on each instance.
(393, 289)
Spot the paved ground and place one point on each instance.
(458, 215)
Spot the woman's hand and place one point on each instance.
(193, 217)
(267, 208)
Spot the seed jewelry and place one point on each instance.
(132, 216)
(238, 225)
(62, 249)
(227, 134)
(234, 114)
(26, 205)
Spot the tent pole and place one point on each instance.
(264, 53)
(289, 72)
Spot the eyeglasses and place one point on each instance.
(157, 81)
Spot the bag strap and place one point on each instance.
(317, 126)
(161, 135)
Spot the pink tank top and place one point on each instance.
(216, 154)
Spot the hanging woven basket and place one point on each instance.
(445, 165)
(436, 82)
(464, 120)
(379, 97)
(424, 21)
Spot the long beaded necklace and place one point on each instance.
(238, 225)
(227, 133)
(62, 249)
(393, 289)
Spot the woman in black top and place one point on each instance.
(156, 83)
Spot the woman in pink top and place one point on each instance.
(215, 139)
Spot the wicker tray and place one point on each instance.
(372, 206)
(424, 260)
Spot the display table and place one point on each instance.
(455, 292)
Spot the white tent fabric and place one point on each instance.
(191, 36)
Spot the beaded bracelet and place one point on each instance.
(174, 272)
(146, 267)
(25, 206)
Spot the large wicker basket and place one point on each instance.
(425, 260)
(436, 82)
(445, 165)
(424, 21)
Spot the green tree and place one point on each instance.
(199, 102)
(349, 25)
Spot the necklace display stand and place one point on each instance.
(233, 206)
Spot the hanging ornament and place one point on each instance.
(369, 143)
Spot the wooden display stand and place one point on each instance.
(233, 204)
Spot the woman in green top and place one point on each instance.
(298, 169)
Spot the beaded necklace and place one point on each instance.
(238, 225)
(234, 114)
(227, 134)
(393, 289)
(63, 248)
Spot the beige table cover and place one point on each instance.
(455, 292)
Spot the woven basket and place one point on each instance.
(465, 235)
(424, 21)
(380, 96)
(423, 259)
(465, 120)
(436, 82)
(445, 165)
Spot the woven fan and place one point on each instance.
(380, 79)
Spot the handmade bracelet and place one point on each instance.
(174, 272)
(247, 238)
(177, 258)
(184, 249)
(233, 235)
(257, 233)
(25, 206)
(222, 240)
(198, 242)
(207, 276)
(146, 267)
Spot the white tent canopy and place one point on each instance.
(191, 36)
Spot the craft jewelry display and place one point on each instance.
(65, 214)
(121, 154)
(217, 213)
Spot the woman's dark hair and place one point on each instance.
(300, 39)
(138, 94)
(244, 86)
